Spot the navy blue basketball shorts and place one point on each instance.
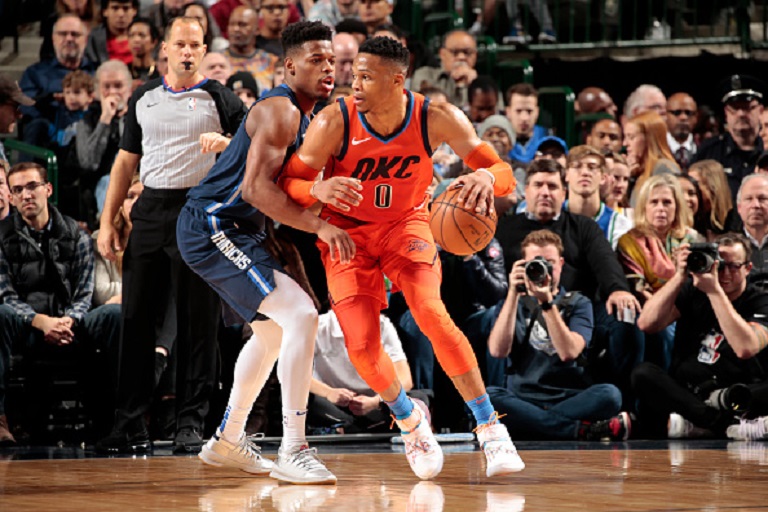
(231, 260)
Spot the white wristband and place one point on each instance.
(489, 173)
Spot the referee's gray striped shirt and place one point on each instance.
(164, 127)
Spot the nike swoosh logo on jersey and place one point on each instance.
(355, 141)
(150, 105)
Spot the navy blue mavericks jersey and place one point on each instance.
(220, 192)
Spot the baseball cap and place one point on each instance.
(10, 90)
(243, 80)
(551, 142)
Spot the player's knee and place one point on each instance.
(430, 314)
(363, 360)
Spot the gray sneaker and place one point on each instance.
(301, 466)
(243, 455)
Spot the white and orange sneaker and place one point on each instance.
(500, 453)
(421, 449)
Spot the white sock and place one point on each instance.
(294, 426)
(254, 364)
(292, 309)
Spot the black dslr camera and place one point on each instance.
(538, 269)
(703, 256)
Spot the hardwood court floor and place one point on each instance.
(618, 477)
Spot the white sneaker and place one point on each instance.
(749, 430)
(301, 467)
(500, 453)
(245, 455)
(421, 449)
(680, 428)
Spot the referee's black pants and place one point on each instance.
(152, 266)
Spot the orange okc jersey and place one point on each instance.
(394, 170)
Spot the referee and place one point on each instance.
(165, 119)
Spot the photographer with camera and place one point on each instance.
(718, 357)
(544, 330)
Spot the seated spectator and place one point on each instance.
(719, 345)
(663, 222)
(522, 110)
(87, 10)
(605, 135)
(375, 13)
(273, 18)
(161, 13)
(331, 12)
(109, 40)
(211, 33)
(646, 98)
(339, 397)
(43, 81)
(546, 148)
(78, 87)
(716, 209)
(586, 171)
(345, 47)
(46, 286)
(645, 137)
(682, 114)
(483, 96)
(615, 192)
(11, 100)
(544, 330)
(590, 265)
(752, 204)
(98, 137)
(593, 100)
(693, 197)
(143, 38)
(458, 58)
(353, 26)
(216, 67)
(244, 85)
(243, 54)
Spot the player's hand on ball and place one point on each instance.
(476, 192)
(340, 244)
(339, 192)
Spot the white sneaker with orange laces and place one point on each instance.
(500, 453)
(421, 449)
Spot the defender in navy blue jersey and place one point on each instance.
(221, 234)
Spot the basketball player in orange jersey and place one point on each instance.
(376, 148)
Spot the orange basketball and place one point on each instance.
(458, 230)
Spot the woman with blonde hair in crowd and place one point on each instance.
(663, 222)
(645, 137)
(716, 212)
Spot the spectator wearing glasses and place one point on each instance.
(375, 13)
(11, 100)
(331, 12)
(682, 115)
(719, 345)
(43, 81)
(458, 57)
(273, 15)
(740, 146)
(46, 288)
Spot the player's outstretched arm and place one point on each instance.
(273, 125)
(323, 140)
(449, 124)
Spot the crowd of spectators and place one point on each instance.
(615, 223)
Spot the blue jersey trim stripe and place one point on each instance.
(259, 280)
(406, 122)
(424, 132)
(186, 89)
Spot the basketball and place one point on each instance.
(458, 230)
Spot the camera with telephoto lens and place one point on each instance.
(537, 270)
(735, 398)
(702, 257)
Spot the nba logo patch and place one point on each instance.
(191, 104)
(417, 245)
